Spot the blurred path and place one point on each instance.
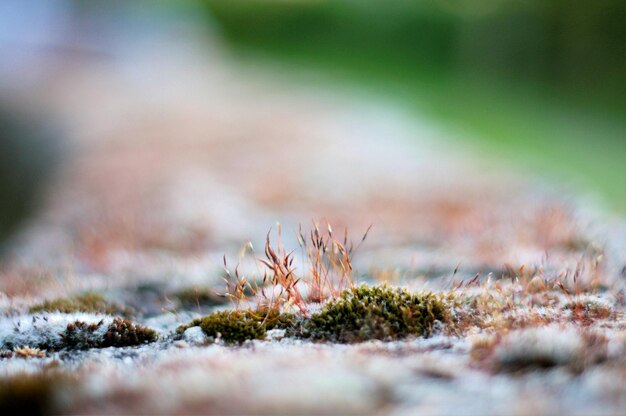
(180, 156)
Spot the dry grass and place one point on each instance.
(330, 262)
(327, 272)
(528, 297)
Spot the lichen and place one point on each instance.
(375, 312)
(87, 302)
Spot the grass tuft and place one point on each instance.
(329, 271)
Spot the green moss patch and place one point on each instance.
(375, 312)
(236, 327)
(86, 302)
(359, 314)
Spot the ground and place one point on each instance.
(174, 168)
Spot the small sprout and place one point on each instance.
(86, 302)
(375, 312)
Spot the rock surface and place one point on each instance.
(179, 163)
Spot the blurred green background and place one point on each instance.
(538, 84)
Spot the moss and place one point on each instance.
(361, 314)
(123, 333)
(119, 333)
(29, 394)
(236, 327)
(232, 327)
(196, 296)
(375, 312)
(80, 335)
(86, 302)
